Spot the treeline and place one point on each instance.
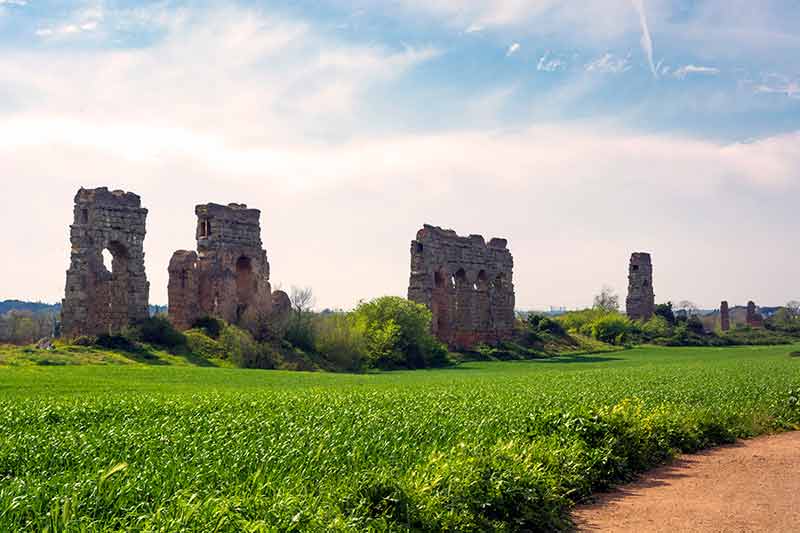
(385, 333)
(605, 323)
(26, 327)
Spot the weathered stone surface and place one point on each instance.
(466, 283)
(228, 276)
(641, 301)
(724, 316)
(754, 318)
(96, 300)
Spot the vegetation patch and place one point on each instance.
(483, 446)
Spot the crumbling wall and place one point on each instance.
(98, 300)
(228, 276)
(641, 300)
(754, 318)
(466, 283)
(724, 316)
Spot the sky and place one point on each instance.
(580, 130)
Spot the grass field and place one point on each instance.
(484, 446)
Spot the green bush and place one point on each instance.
(612, 328)
(340, 341)
(212, 326)
(300, 331)
(397, 334)
(204, 346)
(159, 330)
(116, 342)
(656, 327)
(240, 347)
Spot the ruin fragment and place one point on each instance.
(228, 276)
(466, 283)
(641, 301)
(102, 298)
(724, 316)
(754, 318)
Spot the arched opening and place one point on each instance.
(111, 286)
(499, 282)
(483, 281)
(418, 247)
(438, 280)
(460, 278)
(84, 216)
(204, 229)
(108, 260)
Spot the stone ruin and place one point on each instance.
(641, 301)
(228, 276)
(724, 316)
(97, 300)
(466, 283)
(754, 318)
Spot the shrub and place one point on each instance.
(159, 330)
(239, 346)
(611, 328)
(656, 327)
(204, 346)
(85, 340)
(116, 342)
(212, 326)
(397, 334)
(300, 331)
(338, 339)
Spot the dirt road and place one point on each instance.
(750, 486)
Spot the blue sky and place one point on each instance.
(579, 130)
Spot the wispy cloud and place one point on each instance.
(686, 70)
(547, 63)
(647, 40)
(608, 63)
(513, 49)
(84, 20)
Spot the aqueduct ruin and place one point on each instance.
(641, 301)
(466, 283)
(98, 299)
(228, 276)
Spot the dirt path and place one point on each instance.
(749, 486)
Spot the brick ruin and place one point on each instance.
(98, 300)
(641, 301)
(754, 318)
(466, 283)
(228, 276)
(724, 316)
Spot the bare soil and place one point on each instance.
(749, 486)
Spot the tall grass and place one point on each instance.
(486, 446)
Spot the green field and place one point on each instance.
(484, 446)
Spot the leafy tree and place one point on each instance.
(397, 333)
(665, 312)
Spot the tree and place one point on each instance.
(665, 311)
(793, 309)
(607, 300)
(302, 299)
(688, 308)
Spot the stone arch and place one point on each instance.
(482, 281)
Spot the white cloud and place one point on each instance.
(686, 70)
(609, 64)
(548, 63)
(514, 48)
(779, 84)
(84, 20)
(18, 3)
(474, 28)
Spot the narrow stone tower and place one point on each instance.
(228, 276)
(641, 301)
(724, 316)
(98, 300)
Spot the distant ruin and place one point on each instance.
(98, 300)
(754, 318)
(228, 276)
(641, 301)
(466, 283)
(724, 316)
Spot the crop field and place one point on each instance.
(483, 446)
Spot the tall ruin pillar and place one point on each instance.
(228, 276)
(724, 316)
(466, 283)
(641, 301)
(754, 318)
(97, 300)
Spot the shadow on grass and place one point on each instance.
(570, 359)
